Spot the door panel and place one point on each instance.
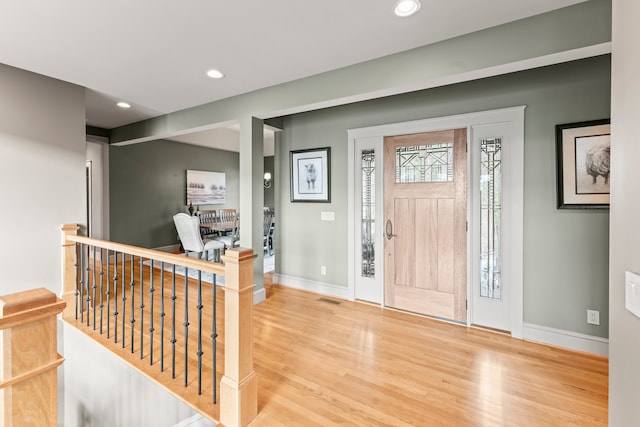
(425, 202)
(403, 255)
(446, 237)
(426, 230)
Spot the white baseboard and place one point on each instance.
(312, 286)
(259, 295)
(566, 339)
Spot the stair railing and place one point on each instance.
(109, 285)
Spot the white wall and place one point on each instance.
(115, 394)
(42, 163)
(97, 153)
(624, 333)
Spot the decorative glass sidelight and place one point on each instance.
(490, 217)
(425, 163)
(368, 196)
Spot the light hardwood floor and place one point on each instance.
(351, 363)
(327, 362)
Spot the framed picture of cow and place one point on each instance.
(583, 152)
(311, 175)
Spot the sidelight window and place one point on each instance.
(490, 217)
(368, 201)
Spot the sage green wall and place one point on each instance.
(148, 183)
(565, 252)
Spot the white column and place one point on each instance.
(252, 195)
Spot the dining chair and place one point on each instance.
(209, 218)
(233, 237)
(226, 215)
(267, 234)
(188, 228)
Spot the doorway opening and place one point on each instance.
(369, 274)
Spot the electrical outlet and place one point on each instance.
(323, 270)
(593, 317)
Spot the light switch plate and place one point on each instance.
(632, 292)
(327, 216)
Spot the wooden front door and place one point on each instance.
(425, 211)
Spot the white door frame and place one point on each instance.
(514, 176)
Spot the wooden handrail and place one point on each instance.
(29, 357)
(195, 263)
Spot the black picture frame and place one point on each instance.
(310, 175)
(583, 164)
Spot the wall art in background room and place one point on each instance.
(206, 188)
(583, 162)
(311, 175)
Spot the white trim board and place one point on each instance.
(259, 295)
(321, 288)
(566, 339)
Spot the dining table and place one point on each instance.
(218, 226)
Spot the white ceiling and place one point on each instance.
(154, 53)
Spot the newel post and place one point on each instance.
(239, 385)
(29, 358)
(68, 262)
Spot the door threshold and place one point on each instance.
(426, 316)
(488, 329)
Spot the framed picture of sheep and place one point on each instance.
(583, 152)
(311, 175)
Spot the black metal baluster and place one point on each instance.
(199, 307)
(88, 277)
(81, 285)
(173, 322)
(141, 308)
(78, 278)
(101, 288)
(132, 295)
(151, 293)
(94, 287)
(186, 324)
(214, 339)
(162, 314)
(124, 296)
(115, 296)
(108, 298)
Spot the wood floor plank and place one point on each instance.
(379, 367)
(354, 364)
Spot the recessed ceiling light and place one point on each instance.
(215, 74)
(405, 8)
(123, 104)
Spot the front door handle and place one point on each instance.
(389, 230)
